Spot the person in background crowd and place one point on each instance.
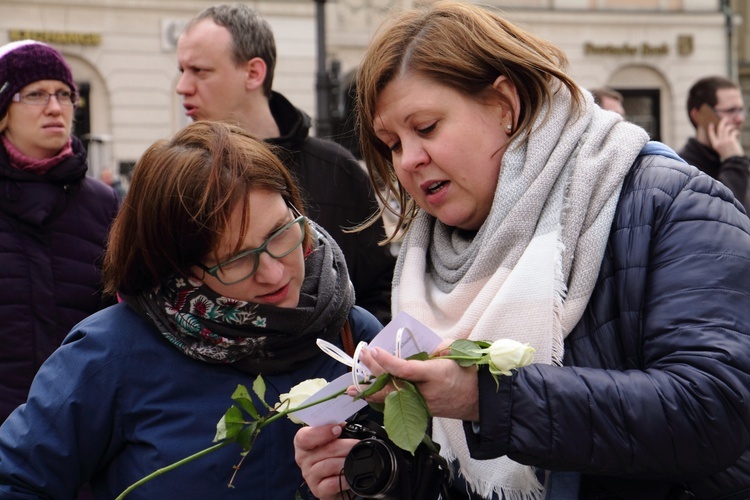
(536, 216)
(609, 99)
(717, 111)
(227, 57)
(113, 180)
(53, 219)
(223, 279)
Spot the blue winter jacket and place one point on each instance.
(117, 401)
(669, 322)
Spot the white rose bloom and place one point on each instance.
(507, 354)
(298, 394)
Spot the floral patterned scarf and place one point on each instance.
(253, 337)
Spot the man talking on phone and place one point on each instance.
(717, 112)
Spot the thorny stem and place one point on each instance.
(263, 422)
(168, 468)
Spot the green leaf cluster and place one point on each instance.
(234, 426)
(405, 412)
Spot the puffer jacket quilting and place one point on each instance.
(669, 321)
(53, 230)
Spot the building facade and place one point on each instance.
(122, 53)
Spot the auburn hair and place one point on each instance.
(463, 47)
(180, 200)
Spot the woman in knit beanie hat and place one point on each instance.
(35, 127)
(53, 219)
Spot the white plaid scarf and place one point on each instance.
(527, 274)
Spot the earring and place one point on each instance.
(509, 128)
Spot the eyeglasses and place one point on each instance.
(243, 265)
(41, 98)
(732, 111)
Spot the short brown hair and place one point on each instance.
(183, 192)
(463, 47)
(251, 35)
(704, 92)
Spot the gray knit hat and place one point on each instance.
(28, 61)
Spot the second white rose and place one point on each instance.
(507, 354)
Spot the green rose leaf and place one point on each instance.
(420, 356)
(405, 417)
(246, 438)
(468, 350)
(229, 425)
(379, 407)
(242, 398)
(259, 388)
(376, 386)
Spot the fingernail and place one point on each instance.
(336, 431)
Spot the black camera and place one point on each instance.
(377, 468)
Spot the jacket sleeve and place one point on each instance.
(53, 443)
(661, 382)
(734, 173)
(370, 264)
(339, 196)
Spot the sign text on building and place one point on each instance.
(626, 49)
(58, 37)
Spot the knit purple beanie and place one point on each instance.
(28, 61)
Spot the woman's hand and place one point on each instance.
(320, 455)
(450, 390)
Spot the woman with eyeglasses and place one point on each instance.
(53, 219)
(222, 278)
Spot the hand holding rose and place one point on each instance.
(446, 383)
(449, 390)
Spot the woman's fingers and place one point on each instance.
(448, 389)
(415, 371)
(320, 456)
(309, 438)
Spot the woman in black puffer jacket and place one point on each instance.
(532, 214)
(53, 219)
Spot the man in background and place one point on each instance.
(609, 99)
(227, 56)
(717, 111)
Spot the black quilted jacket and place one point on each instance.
(654, 399)
(338, 195)
(53, 228)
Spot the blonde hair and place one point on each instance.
(465, 48)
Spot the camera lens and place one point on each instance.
(370, 469)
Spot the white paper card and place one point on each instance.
(415, 338)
